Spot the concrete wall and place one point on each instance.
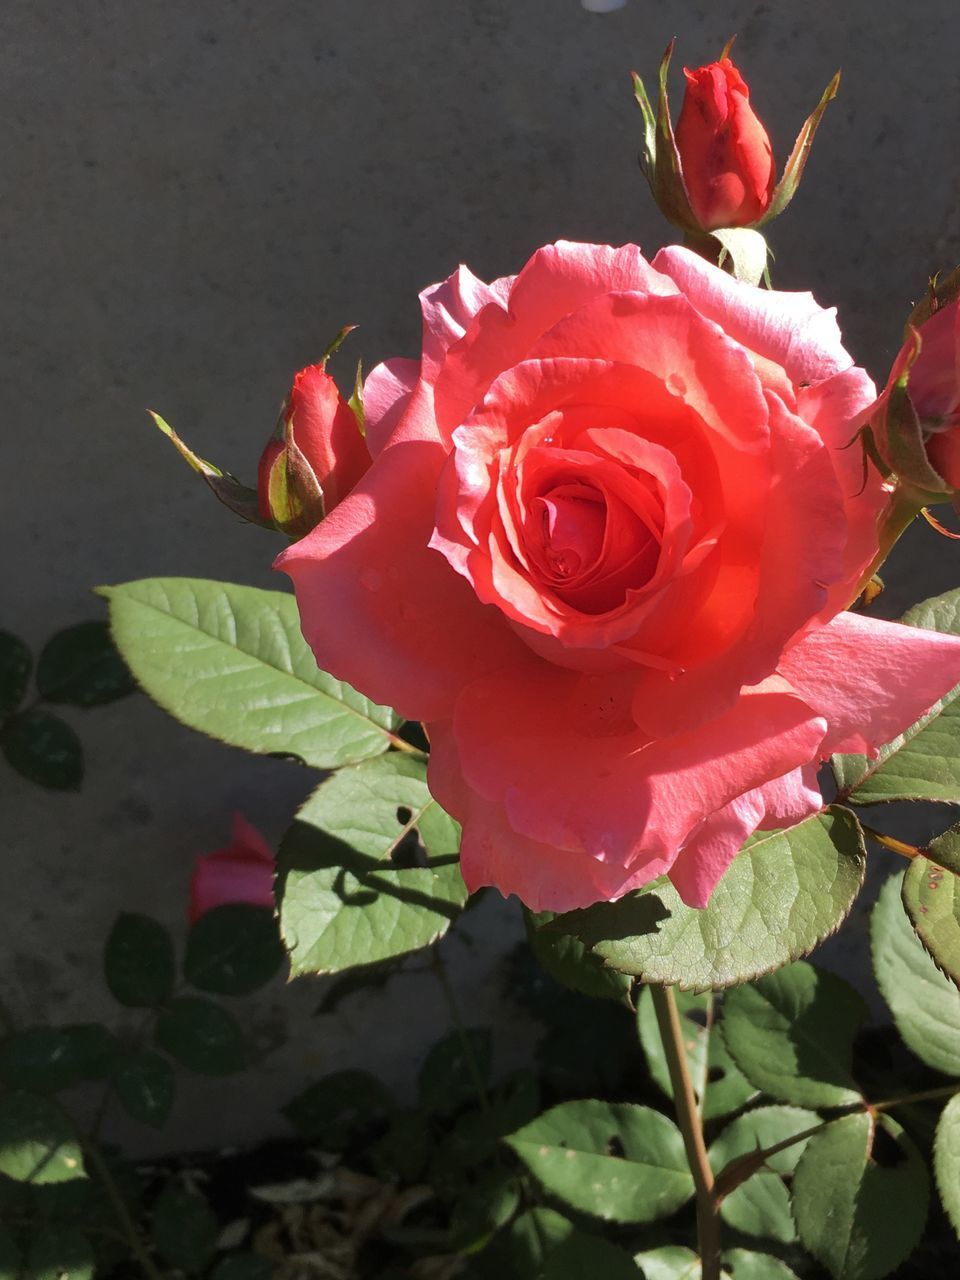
(196, 197)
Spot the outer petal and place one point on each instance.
(447, 310)
(790, 799)
(558, 279)
(791, 329)
(379, 608)
(386, 394)
(870, 679)
(710, 850)
(571, 772)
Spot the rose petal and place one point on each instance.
(791, 329)
(713, 846)
(870, 679)
(383, 611)
(386, 394)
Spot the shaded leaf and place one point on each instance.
(453, 1070)
(792, 1034)
(202, 1036)
(231, 662)
(369, 870)
(616, 1161)
(138, 961)
(15, 666)
(80, 665)
(925, 1005)
(234, 949)
(945, 850)
(59, 1253)
(489, 1205)
(582, 1255)
(46, 1059)
(243, 1266)
(783, 893)
(37, 1141)
(146, 1085)
(932, 899)
(946, 1160)
(858, 1217)
(184, 1228)
(923, 763)
(339, 1107)
(719, 1085)
(741, 1264)
(44, 749)
(570, 963)
(760, 1206)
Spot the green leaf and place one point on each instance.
(531, 1239)
(741, 1264)
(573, 1150)
(234, 949)
(138, 961)
(932, 899)
(568, 961)
(146, 1085)
(925, 1005)
(231, 662)
(718, 1084)
(184, 1228)
(45, 1059)
(946, 1160)
(80, 665)
(369, 869)
(923, 763)
(489, 1205)
(15, 665)
(337, 1108)
(792, 1034)
(242, 1266)
(202, 1036)
(945, 850)
(59, 1253)
(44, 749)
(37, 1141)
(747, 250)
(447, 1078)
(860, 1197)
(783, 893)
(582, 1255)
(671, 1262)
(760, 1206)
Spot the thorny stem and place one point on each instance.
(92, 1153)
(691, 1126)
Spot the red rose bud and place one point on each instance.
(915, 424)
(317, 458)
(934, 389)
(717, 173)
(725, 153)
(241, 872)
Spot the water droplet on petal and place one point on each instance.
(676, 384)
(372, 579)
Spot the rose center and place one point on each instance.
(572, 522)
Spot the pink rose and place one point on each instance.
(241, 872)
(603, 551)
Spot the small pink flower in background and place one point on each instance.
(240, 872)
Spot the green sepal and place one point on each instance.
(240, 498)
(786, 188)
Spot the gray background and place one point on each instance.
(196, 197)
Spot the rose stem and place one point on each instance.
(688, 1118)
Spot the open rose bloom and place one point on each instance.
(604, 551)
